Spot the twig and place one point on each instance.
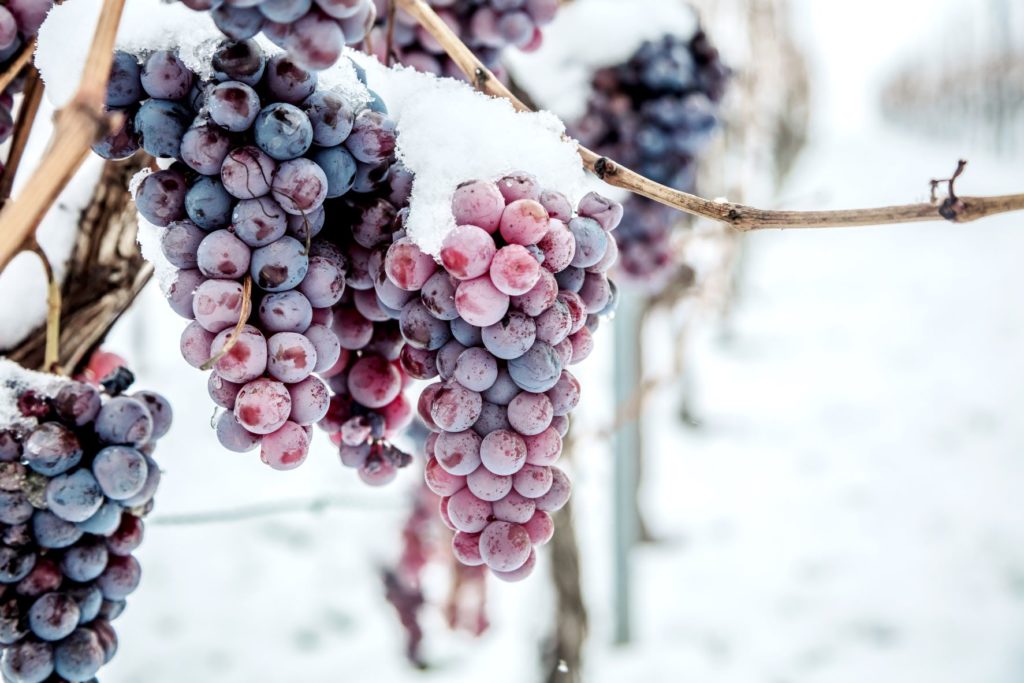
(246, 512)
(51, 357)
(243, 318)
(15, 67)
(389, 54)
(739, 216)
(22, 130)
(78, 126)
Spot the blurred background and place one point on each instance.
(798, 454)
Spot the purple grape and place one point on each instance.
(247, 172)
(242, 61)
(285, 312)
(279, 266)
(120, 471)
(331, 116)
(233, 105)
(52, 449)
(74, 497)
(300, 186)
(208, 204)
(79, 656)
(160, 197)
(204, 147)
(84, 562)
(283, 131)
(223, 256)
(161, 124)
(179, 244)
(285, 80)
(166, 77)
(125, 86)
(373, 137)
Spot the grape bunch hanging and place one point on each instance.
(486, 26)
(655, 113)
(312, 32)
(76, 478)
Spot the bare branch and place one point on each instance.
(22, 130)
(739, 216)
(78, 126)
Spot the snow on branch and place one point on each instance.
(739, 216)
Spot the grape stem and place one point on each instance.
(51, 356)
(741, 217)
(243, 318)
(22, 130)
(78, 125)
(15, 67)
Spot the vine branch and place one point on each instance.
(739, 216)
(78, 125)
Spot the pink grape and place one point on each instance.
(424, 403)
(258, 222)
(222, 391)
(558, 495)
(353, 330)
(563, 350)
(533, 481)
(478, 203)
(503, 452)
(421, 329)
(596, 292)
(324, 282)
(466, 548)
(247, 172)
(540, 298)
(441, 482)
(368, 305)
(222, 255)
(544, 448)
(299, 186)
(511, 337)
(525, 222)
(378, 472)
(419, 363)
(407, 266)
(556, 204)
(540, 528)
(480, 303)
(181, 292)
(488, 486)
(217, 304)
(610, 258)
(603, 210)
(554, 324)
(285, 312)
(397, 415)
(455, 408)
(530, 414)
(458, 452)
(290, 357)
(438, 296)
(521, 573)
(263, 406)
(558, 246)
(560, 424)
(233, 436)
(576, 307)
(514, 270)
(514, 508)
(582, 345)
(442, 509)
(492, 417)
(374, 382)
(476, 369)
(467, 512)
(467, 252)
(504, 546)
(591, 241)
(447, 358)
(246, 360)
(286, 448)
(565, 395)
(328, 348)
(517, 186)
(315, 41)
(503, 390)
(195, 344)
(310, 401)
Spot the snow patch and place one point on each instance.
(15, 380)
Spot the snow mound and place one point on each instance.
(14, 380)
(448, 133)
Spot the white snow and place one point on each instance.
(14, 380)
(449, 133)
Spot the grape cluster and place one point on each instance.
(257, 151)
(313, 32)
(486, 26)
(512, 304)
(655, 113)
(369, 406)
(75, 480)
(19, 22)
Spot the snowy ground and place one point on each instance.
(848, 510)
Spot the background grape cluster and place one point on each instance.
(655, 113)
(256, 152)
(75, 481)
(486, 26)
(512, 304)
(19, 22)
(313, 32)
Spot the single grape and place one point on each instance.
(263, 406)
(279, 266)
